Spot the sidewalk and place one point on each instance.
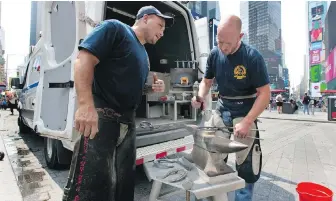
(9, 190)
(319, 117)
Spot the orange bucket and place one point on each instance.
(309, 191)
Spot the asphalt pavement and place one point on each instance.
(293, 151)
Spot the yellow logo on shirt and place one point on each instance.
(239, 72)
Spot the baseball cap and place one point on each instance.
(151, 10)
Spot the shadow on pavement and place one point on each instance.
(266, 189)
(36, 147)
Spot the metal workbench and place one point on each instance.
(201, 188)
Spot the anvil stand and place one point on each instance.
(212, 177)
(204, 190)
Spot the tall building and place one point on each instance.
(330, 46)
(244, 15)
(35, 22)
(2, 59)
(200, 9)
(262, 28)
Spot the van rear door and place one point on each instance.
(62, 29)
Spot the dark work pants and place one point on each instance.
(12, 107)
(101, 170)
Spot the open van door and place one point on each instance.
(61, 32)
(202, 30)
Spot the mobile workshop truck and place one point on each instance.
(48, 98)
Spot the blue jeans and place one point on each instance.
(305, 108)
(245, 194)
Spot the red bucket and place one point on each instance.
(313, 192)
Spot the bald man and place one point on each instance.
(241, 74)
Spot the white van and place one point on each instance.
(48, 98)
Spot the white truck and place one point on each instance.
(48, 97)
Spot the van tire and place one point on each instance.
(56, 156)
(23, 128)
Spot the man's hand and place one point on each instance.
(86, 120)
(198, 102)
(158, 85)
(242, 129)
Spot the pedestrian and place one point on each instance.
(110, 74)
(279, 102)
(313, 103)
(306, 102)
(240, 72)
(12, 101)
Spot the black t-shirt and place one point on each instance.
(121, 74)
(306, 100)
(239, 74)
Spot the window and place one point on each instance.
(34, 69)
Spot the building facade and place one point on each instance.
(35, 22)
(330, 46)
(3, 81)
(200, 9)
(318, 77)
(262, 29)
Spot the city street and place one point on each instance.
(294, 151)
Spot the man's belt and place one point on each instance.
(110, 114)
(238, 97)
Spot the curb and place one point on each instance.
(9, 165)
(303, 120)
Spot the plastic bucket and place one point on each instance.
(313, 192)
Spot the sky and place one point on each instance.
(296, 41)
(15, 19)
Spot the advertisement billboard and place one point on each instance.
(316, 45)
(315, 56)
(316, 23)
(330, 66)
(315, 73)
(318, 11)
(316, 35)
(315, 89)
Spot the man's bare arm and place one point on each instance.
(204, 87)
(260, 104)
(84, 68)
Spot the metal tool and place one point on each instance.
(256, 138)
(220, 128)
(226, 131)
(193, 128)
(181, 175)
(166, 163)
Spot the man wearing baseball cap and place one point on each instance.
(110, 74)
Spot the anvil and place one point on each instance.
(210, 150)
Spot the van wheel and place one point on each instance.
(22, 127)
(56, 156)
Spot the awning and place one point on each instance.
(328, 91)
(277, 90)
